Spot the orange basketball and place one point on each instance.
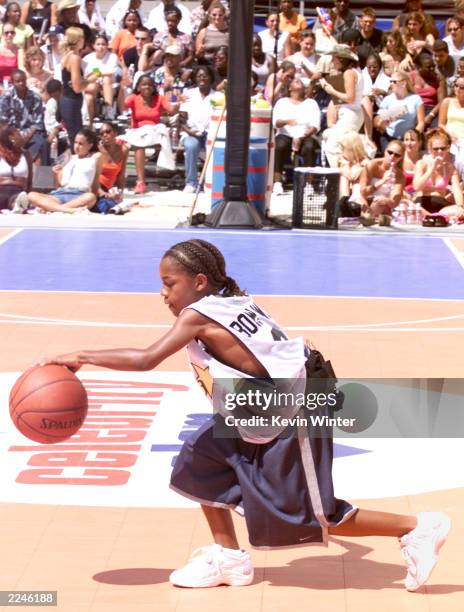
(48, 403)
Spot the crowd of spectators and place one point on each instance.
(80, 90)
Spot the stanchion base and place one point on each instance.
(234, 215)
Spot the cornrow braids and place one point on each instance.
(201, 257)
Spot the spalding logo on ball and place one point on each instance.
(48, 403)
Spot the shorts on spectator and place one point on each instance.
(66, 195)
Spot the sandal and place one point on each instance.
(435, 220)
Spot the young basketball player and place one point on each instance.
(282, 485)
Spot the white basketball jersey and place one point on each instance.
(282, 358)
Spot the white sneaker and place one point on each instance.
(420, 547)
(213, 565)
(278, 188)
(189, 189)
(21, 203)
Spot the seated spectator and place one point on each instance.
(195, 115)
(430, 86)
(52, 50)
(412, 6)
(24, 34)
(173, 36)
(9, 53)
(199, 15)
(353, 159)
(147, 106)
(451, 119)
(91, 15)
(125, 37)
(382, 185)
(445, 64)
(171, 79)
(56, 134)
(220, 67)
(157, 17)
(77, 180)
(22, 109)
(371, 37)
(346, 113)
(413, 144)
(40, 15)
(400, 111)
(436, 181)
(104, 64)
(415, 35)
(278, 85)
(112, 178)
(455, 37)
(271, 35)
(376, 85)
(262, 64)
(132, 56)
(115, 17)
(214, 35)
(394, 47)
(292, 22)
(67, 17)
(305, 59)
(342, 19)
(15, 167)
(296, 120)
(36, 74)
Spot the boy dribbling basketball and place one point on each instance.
(282, 484)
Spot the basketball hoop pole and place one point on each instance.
(235, 211)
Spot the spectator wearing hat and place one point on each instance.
(52, 48)
(345, 108)
(24, 34)
(38, 14)
(157, 16)
(67, 16)
(22, 108)
(171, 79)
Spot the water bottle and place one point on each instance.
(54, 149)
(411, 218)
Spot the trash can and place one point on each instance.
(258, 182)
(315, 196)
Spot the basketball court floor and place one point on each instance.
(93, 518)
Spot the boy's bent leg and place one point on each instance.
(373, 523)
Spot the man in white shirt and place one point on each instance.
(156, 18)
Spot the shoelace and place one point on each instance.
(205, 553)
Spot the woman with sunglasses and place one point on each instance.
(9, 55)
(400, 111)
(214, 35)
(437, 180)
(455, 37)
(382, 184)
(24, 34)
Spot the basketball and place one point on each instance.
(48, 403)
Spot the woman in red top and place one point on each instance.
(430, 86)
(8, 54)
(146, 107)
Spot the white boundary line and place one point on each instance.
(455, 251)
(11, 235)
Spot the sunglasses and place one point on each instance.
(12, 32)
(141, 38)
(440, 148)
(394, 153)
(459, 86)
(453, 29)
(106, 131)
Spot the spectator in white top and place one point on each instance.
(90, 14)
(376, 85)
(195, 114)
(269, 35)
(305, 59)
(157, 20)
(455, 38)
(296, 120)
(115, 17)
(104, 63)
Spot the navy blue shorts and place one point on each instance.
(283, 488)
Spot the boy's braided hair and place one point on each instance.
(201, 257)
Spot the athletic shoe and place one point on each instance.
(420, 547)
(213, 565)
(189, 189)
(21, 203)
(278, 188)
(140, 187)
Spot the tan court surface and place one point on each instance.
(117, 559)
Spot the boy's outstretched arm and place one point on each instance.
(186, 327)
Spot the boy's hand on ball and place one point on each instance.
(70, 360)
